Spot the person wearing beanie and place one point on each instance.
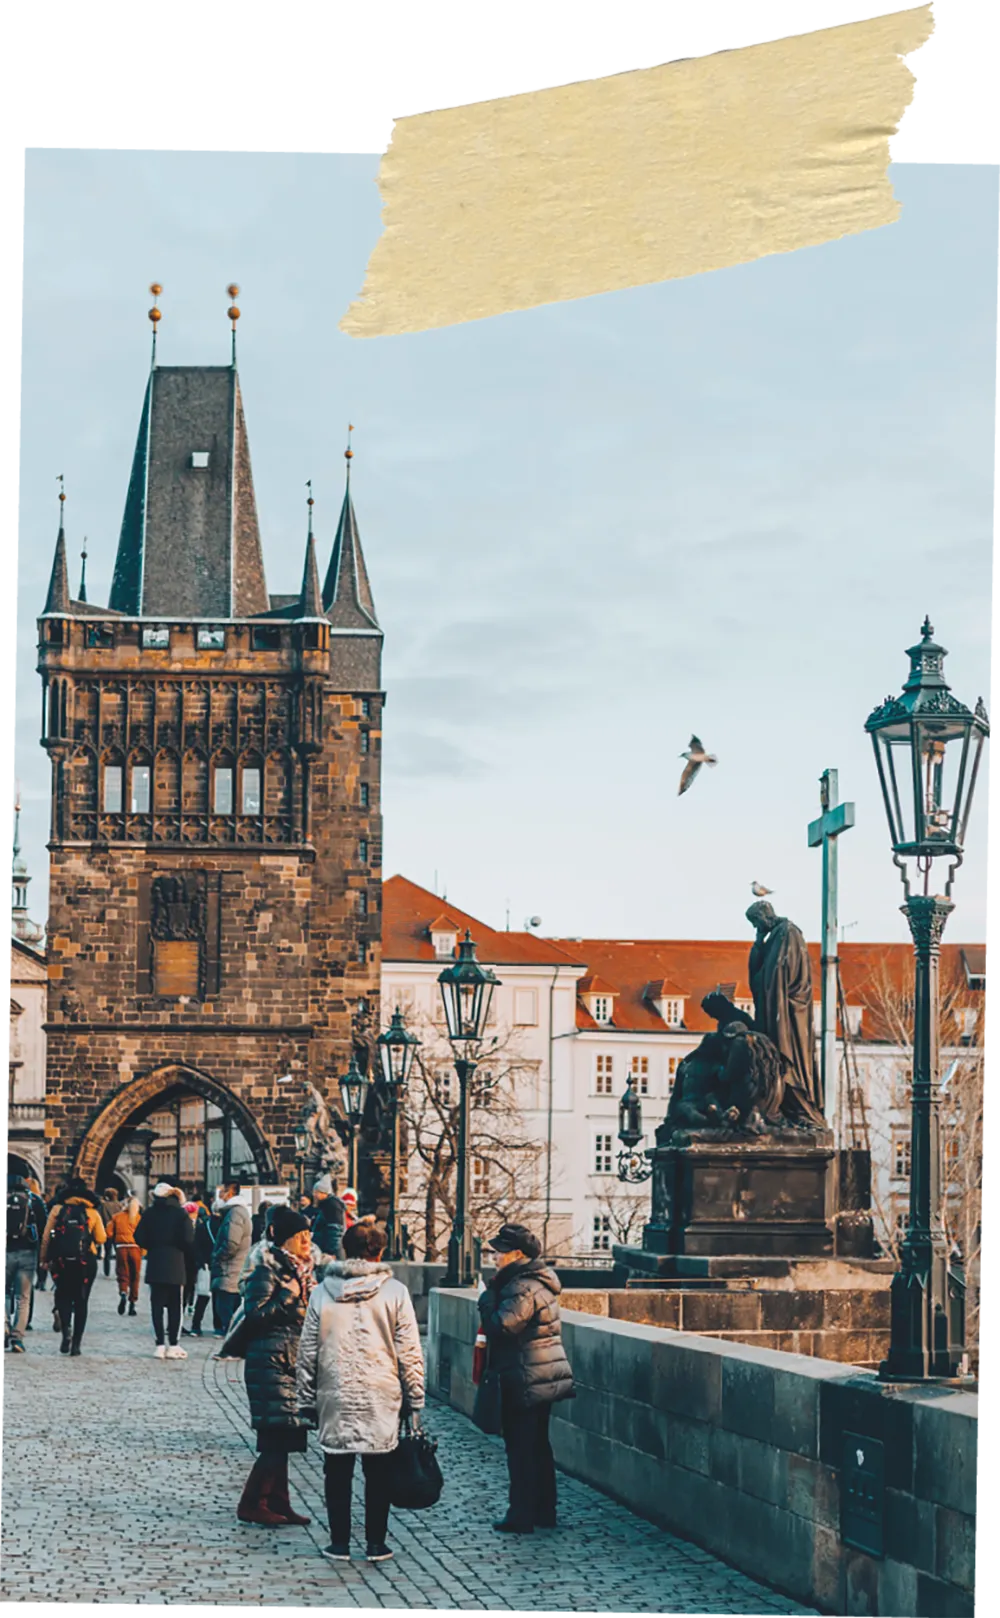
(275, 1294)
(349, 1197)
(167, 1235)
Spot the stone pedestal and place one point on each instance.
(771, 1197)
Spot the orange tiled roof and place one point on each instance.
(592, 984)
(407, 912)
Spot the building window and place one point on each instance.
(366, 707)
(155, 638)
(744, 1005)
(365, 743)
(112, 789)
(362, 902)
(639, 1071)
(140, 789)
(602, 1233)
(602, 1008)
(604, 1076)
(363, 851)
(444, 945)
(901, 1155)
(673, 1013)
(525, 1008)
(266, 639)
(363, 794)
(362, 953)
(966, 1018)
(443, 1088)
(673, 1063)
(480, 1176)
(222, 796)
(854, 1015)
(250, 800)
(602, 1154)
(199, 460)
(210, 638)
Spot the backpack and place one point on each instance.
(69, 1242)
(22, 1229)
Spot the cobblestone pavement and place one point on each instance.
(121, 1475)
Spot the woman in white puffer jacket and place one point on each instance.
(360, 1369)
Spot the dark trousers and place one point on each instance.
(225, 1307)
(128, 1263)
(73, 1286)
(200, 1305)
(338, 1471)
(166, 1299)
(530, 1465)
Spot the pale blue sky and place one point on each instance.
(720, 504)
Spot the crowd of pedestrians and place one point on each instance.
(327, 1332)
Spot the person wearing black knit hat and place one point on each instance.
(266, 1333)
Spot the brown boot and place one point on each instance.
(253, 1506)
(278, 1500)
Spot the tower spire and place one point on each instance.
(155, 315)
(347, 594)
(82, 596)
(311, 597)
(20, 925)
(58, 598)
(233, 312)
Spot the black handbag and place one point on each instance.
(415, 1479)
(487, 1409)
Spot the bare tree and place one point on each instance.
(626, 1209)
(889, 1002)
(504, 1156)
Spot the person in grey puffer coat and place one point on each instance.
(519, 1311)
(232, 1244)
(360, 1368)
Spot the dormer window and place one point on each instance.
(744, 1005)
(444, 937)
(211, 638)
(668, 1001)
(199, 460)
(155, 638)
(602, 1007)
(672, 1013)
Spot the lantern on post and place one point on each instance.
(632, 1168)
(467, 992)
(397, 1048)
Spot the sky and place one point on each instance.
(721, 504)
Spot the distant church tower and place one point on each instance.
(21, 924)
(215, 869)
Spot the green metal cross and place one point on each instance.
(823, 833)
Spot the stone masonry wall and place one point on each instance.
(742, 1449)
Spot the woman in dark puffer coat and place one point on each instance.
(520, 1315)
(275, 1295)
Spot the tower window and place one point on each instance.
(250, 801)
(366, 707)
(199, 459)
(266, 639)
(112, 789)
(155, 638)
(363, 794)
(363, 851)
(210, 638)
(362, 953)
(222, 796)
(140, 789)
(365, 743)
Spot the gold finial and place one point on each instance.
(232, 311)
(155, 314)
(349, 453)
(310, 502)
(62, 496)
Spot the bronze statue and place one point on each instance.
(780, 974)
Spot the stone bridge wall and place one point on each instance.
(741, 1450)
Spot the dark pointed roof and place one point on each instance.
(347, 594)
(190, 540)
(310, 597)
(58, 598)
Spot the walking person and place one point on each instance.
(25, 1223)
(519, 1310)
(275, 1294)
(128, 1254)
(360, 1369)
(109, 1205)
(232, 1244)
(329, 1221)
(199, 1292)
(166, 1233)
(74, 1235)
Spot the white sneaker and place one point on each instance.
(176, 1352)
(160, 1351)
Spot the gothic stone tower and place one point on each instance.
(215, 852)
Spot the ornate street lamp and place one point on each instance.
(632, 1169)
(467, 990)
(353, 1094)
(303, 1143)
(397, 1048)
(928, 748)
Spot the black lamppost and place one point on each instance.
(303, 1154)
(353, 1093)
(466, 989)
(928, 748)
(397, 1048)
(631, 1168)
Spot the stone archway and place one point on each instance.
(141, 1096)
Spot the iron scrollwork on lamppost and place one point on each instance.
(397, 1048)
(634, 1166)
(353, 1095)
(928, 748)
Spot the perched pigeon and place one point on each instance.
(696, 757)
(759, 891)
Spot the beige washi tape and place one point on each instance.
(641, 177)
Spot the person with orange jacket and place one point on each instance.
(128, 1254)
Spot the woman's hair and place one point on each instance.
(77, 1188)
(364, 1241)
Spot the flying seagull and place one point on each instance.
(759, 891)
(696, 757)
